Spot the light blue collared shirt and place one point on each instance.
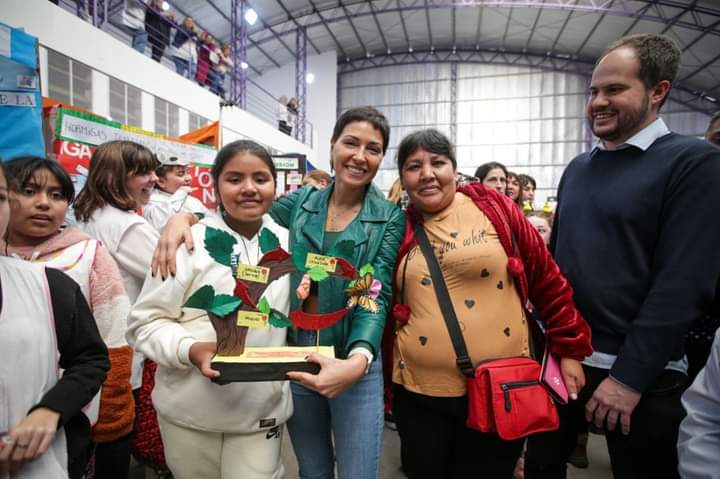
(642, 139)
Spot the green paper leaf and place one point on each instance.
(343, 249)
(219, 245)
(268, 241)
(201, 299)
(366, 269)
(279, 320)
(224, 304)
(263, 306)
(317, 274)
(299, 257)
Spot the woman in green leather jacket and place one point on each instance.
(339, 411)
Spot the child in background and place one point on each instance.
(40, 192)
(46, 325)
(317, 178)
(212, 431)
(542, 222)
(171, 194)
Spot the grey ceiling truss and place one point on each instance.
(694, 100)
(379, 28)
(324, 23)
(297, 24)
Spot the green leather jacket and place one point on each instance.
(376, 231)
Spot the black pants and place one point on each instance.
(112, 459)
(435, 443)
(649, 451)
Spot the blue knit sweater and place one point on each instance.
(636, 233)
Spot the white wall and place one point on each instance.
(321, 98)
(67, 34)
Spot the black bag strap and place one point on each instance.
(463, 360)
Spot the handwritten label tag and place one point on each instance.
(327, 263)
(252, 319)
(257, 274)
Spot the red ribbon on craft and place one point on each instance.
(301, 319)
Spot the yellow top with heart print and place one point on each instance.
(487, 305)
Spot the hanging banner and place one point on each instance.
(75, 159)
(92, 130)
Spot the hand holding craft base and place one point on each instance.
(267, 364)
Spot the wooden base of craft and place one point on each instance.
(267, 364)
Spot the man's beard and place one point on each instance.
(627, 122)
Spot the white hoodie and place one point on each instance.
(164, 331)
(163, 205)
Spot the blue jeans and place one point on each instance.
(139, 39)
(354, 419)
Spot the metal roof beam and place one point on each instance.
(639, 17)
(479, 26)
(700, 68)
(592, 32)
(582, 6)
(402, 22)
(297, 24)
(348, 17)
(562, 29)
(324, 23)
(672, 21)
(380, 31)
(532, 30)
(688, 97)
(507, 27)
(252, 42)
(429, 29)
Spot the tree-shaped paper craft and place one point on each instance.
(232, 315)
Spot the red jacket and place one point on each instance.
(538, 277)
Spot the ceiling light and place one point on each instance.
(244, 65)
(410, 50)
(165, 6)
(309, 78)
(251, 16)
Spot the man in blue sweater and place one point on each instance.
(636, 234)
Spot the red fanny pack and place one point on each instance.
(507, 397)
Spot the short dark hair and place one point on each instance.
(658, 56)
(430, 140)
(527, 179)
(483, 170)
(20, 171)
(229, 151)
(363, 113)
(163, 170)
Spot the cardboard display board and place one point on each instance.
(291, 169)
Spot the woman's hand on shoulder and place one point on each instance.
(573, 375)
(335, 376)
(176, 232)
(28, 440)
